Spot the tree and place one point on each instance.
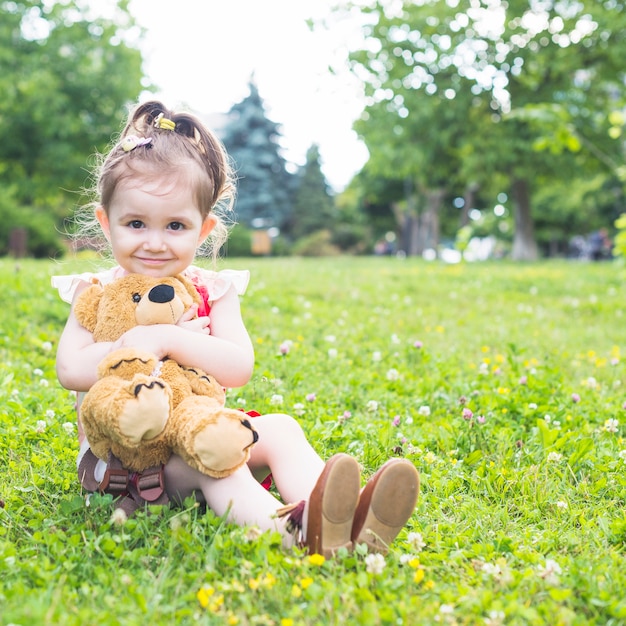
(451, 85)
(264, 187)
(67, 75)
(313, 205)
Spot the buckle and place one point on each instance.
(115, 481)
(150, 484)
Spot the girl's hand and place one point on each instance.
(189, 321)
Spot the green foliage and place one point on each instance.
(619, 243)
(60, 102)
(519, 97)
(503, 384)
(313, 205)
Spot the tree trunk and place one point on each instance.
(524, 244)
(469, 203)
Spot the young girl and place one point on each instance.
(158, 196)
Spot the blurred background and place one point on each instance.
(445, 129)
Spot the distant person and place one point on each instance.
(158, 198)
(600, 245)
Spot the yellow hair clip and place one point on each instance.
(164, 123)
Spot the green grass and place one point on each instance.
(522, 516)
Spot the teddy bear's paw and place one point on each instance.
(146, 410)
(224, 445)
(126, 362)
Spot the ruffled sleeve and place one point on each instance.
(218, 283)
(68, 284)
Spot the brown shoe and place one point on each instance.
(386, 503)
(332, 505)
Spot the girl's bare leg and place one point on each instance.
(283, 450)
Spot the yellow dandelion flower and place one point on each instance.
(418, 577)
(429, 584)
(317, 559)
(217, 604)
(439, 328)
(296, 591)
(505, 410)
(286, 621)
(500, 358)
(414, 563)
(253, 583)
(204, 595)
(259, 339)
(305, 583)
(486, 360)
(485, 348)
(233, 620)
(269, 581)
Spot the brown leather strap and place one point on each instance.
(147, 486)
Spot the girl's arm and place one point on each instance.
(222, 349)
(78, 355)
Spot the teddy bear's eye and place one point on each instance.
(136, 297)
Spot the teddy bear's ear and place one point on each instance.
(86, 307)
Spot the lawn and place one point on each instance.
(504, 384)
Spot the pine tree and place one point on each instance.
(264, 185)
(313, 206)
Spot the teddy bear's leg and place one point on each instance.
(128, 418)
(210, 438)
(126, 362)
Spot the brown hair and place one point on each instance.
(170, 151)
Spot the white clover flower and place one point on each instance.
(395, 338)
(416, 541)
(550, 572)
(611, 425)
(119, 517)
(332, 353)
(43, 382)
(41, 426)
(50, 414)
(561, 504)
(276, 399)
(330, 338)
(241, 401)
(532, 406)
(275, 309)
(68, 427)
(372, 406)
(393, 374)
(377, 356)
(375, 563)
(554, 457)
(37, 372)
(424, 410)
(46, 346)
(622, 455)
(298, 408)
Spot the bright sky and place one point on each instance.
(202, 53)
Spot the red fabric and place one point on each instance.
(205, 308)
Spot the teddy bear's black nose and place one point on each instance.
(161, 294)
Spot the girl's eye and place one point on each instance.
(136, 224)
(176, 226)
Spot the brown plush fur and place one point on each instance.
(142, 409)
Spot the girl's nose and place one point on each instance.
(154, 241)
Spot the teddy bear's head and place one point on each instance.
(109, 311)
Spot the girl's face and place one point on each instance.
(154, 227)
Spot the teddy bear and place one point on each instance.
(142, 409)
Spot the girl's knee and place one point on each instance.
(279, 424)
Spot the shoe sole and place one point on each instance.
(386, 504)
(332, 506)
